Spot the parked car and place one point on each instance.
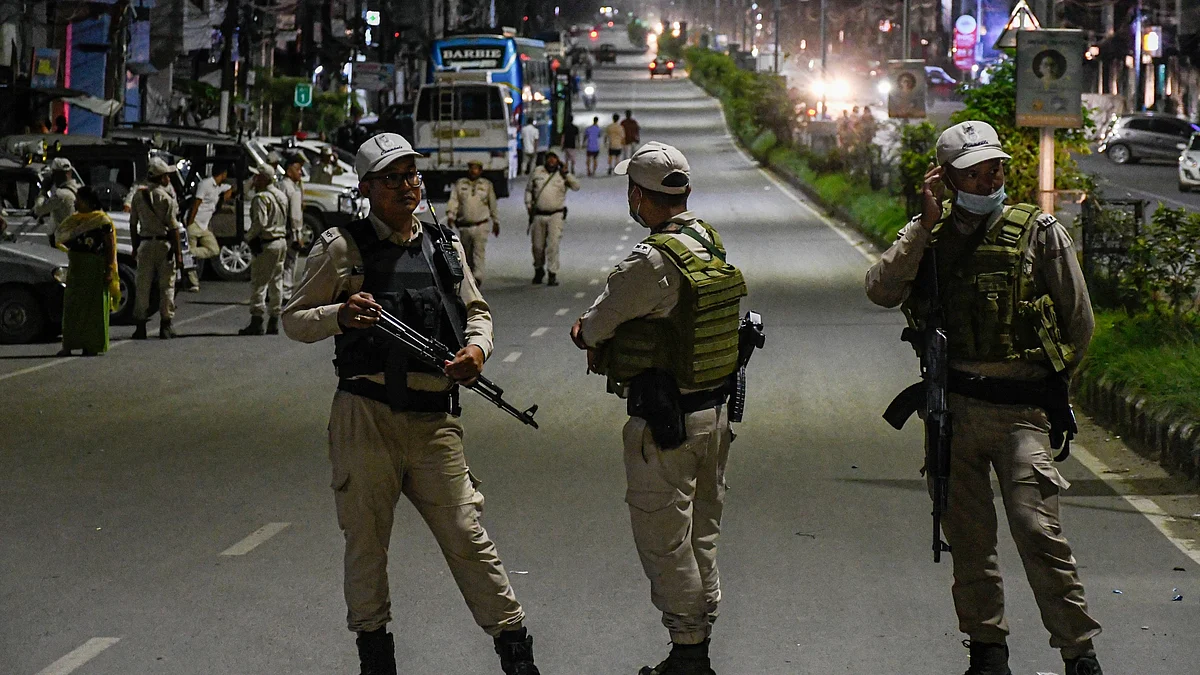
(33, 276)
(661, 66)
(938, 83)
(606, 53)
(1138, 136)
(1189, 165)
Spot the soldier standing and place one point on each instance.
(268, 237)
(471, 207)
(546, 204)
(57, 200)
(394, 426)
(154, 216)
(1018, 320)
(677, 437)
(293, 172)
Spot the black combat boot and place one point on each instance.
(683, 660)
(376, 653)
(273, 325)
(165, 331)
(1084, 665)
(255, 327)
(552, 280)
(987, 658)
(139, 333)
(538, 273)
(515, 648)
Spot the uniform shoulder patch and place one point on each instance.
(330, 235)
(1046, 220)
(643, 249)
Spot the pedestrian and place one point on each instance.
(994, 262)
(845, 128)
(326, 167)
(591, 137)
(394, 426)
(633, 133)
(546, 204)
(471, 208)
(529, 143)
(292, 186)
(865, 127)
(60, 124)
(93, 286)
(570, 141)
(210, 192)
(614, 138)
(57, 197)
(155, 219)
(267, 238)
(653, 340)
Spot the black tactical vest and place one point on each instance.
(402, 281)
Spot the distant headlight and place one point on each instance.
(885, 87)
(589, 90)
(60, 275)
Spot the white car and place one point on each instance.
(1189, 165)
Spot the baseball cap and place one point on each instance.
(969, 143)
(659, 167)
(60, 164)
(378, 151)
(265, 170)
(475, 162)
(158, 166)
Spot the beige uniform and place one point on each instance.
(378, 454)
(154, 213)
(550, 192)
(471, 208)
(268, 227)
(1012, 440)
(295, 219)
(676, 496)
(59, 204)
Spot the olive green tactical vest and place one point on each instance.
(698, 342)
(988, 294)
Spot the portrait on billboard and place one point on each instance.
(1050, 78)
(906, 93)
(1049, 65)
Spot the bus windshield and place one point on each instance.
(477, 102)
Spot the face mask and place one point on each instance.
(633, 211)
(981, 205)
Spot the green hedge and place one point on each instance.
(1154, 356)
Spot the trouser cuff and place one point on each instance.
(1075, 651)
(690, 638)
(495, 631)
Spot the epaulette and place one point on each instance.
(1045, 220)
(643, 249)
(330, 235)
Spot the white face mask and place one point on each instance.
(633, 210)
(981, 205)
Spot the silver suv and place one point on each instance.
(1139, 136)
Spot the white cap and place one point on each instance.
(158, 166)
(60, 164)
(969, 143)
(378, 151)
(265, 170)
(658, 167)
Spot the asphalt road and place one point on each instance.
(1156, 182)
(127, 476)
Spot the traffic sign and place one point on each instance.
(303, 96)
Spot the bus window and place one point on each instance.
(472, 104)
(425, 105)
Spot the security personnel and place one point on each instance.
(326, 166)
(57, 200)
(472, 205)
(267, 238)
(1018, 319)
(394, 426)
(154, 216)
(546, 204)
(665, 333)
(291, 185)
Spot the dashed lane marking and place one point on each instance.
(619, 248)
(624, 237)
(114, 345)
(613, 258)
(512, 357)
(79, 656)
(562, 312)
(629, 229)
(579, 295)
(539, 332)
(606, 269)
(255, 539)
(594, 282)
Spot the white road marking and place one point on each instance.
(629, 229)
(613, 258)
(1152, 511)
(579, 295)
(114, 345)
(562, 312)
(624, 237)
(594, 282)
(79, 656)
(620, 248)
(256, 538)
(539, 332)
(512, 357)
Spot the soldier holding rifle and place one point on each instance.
(1016, 319)
(394, 426)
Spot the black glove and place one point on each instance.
(256, 246)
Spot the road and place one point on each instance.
(128, 476)
(1156, 182)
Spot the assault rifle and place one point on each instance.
(436, 354)
(930, 395)
(750, 337)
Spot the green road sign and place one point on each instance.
(303, 97)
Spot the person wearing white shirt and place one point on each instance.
(208, 198)
(529, 140)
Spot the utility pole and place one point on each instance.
(906, 38)
(118, 38)
(228, 28)
(776, 37)
(716, 21)
(824, 58)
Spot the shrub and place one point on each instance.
(1162, 271)
(763, 144)
(917, 145)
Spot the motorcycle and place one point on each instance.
(589, 96)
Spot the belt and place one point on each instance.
(152, 238)
(996, 390)
(539, 212)
(482, 222)
(415, 400)
(703, 400)
(269, 239)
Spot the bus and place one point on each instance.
(520, 64)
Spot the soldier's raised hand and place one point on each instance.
(931, 196)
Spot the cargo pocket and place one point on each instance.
(649, 502)
(1050, 484)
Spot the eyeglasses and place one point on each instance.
(394, 181)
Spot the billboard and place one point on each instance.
(1050, 78)
(371, 76)
(906, 97)
(966, 35)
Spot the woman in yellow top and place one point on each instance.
(93, 287)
